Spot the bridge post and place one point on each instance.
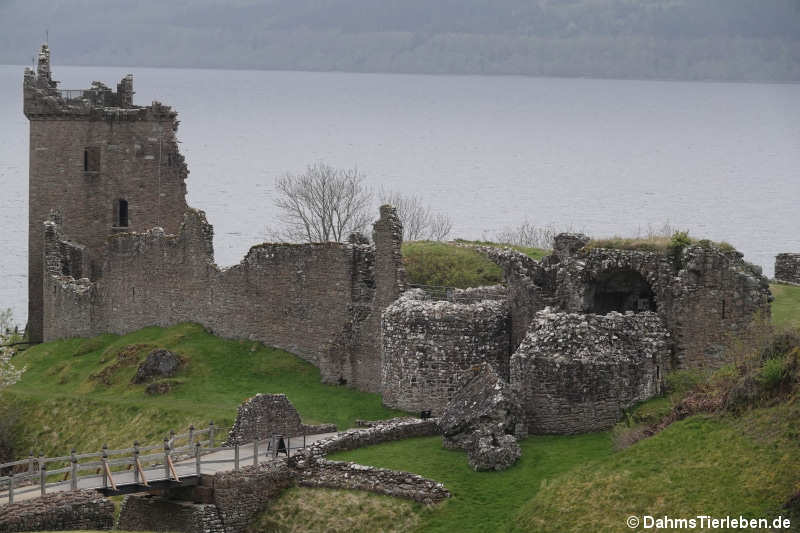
(166, 458)
(274, 446)
(43, 477)
(172, 438)
(211, 434)
(255, 451)
(136, 462)
(11, 488)
(236, 456)
(104, 460)
(73, 485)
(191, 435)
(197, 457)
(30, 463)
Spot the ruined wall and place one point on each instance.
(575, 373)
(787, 268)
(706, 296)
(132, 155)
(319, 301)
(60, 511)
(426, 345)
(264, 415)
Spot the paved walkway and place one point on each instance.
(219, 461)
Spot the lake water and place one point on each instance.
(606, 157)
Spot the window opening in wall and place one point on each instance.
(91, 159)
(122, 213)
(619, 290)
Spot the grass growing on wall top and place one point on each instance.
(449, 265)
(77, 392)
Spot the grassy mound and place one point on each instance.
(449, 265)
(78, 392)
(300, 510)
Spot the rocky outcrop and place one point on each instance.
(159, 364)
(484, 418)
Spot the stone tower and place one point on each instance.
(100, 165)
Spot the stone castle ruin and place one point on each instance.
(578, 336)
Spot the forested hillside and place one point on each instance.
(677, 39)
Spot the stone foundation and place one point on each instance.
(155, 513)
(60, 511)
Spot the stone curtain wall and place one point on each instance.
(319, 301)
(787, 268)
(139, 161)
(575, 373)
(379, 431)
(264, 415)
(154, 513)
(427, 344)
(61, 511)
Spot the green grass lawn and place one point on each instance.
(73, 402)
(786, 307)
(484, 501)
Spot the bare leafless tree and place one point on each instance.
(322, 204)
(419, 222)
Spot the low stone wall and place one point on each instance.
(240, 496)
(323, 473)
(264, 415)
(61, 511)
(575, 373)
(787, 268)
(389, 430)
(154, 513)
(427, 344)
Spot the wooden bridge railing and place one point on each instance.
(143, 461)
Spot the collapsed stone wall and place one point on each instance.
(264, 415)
(320, 301)
(787, 268)
(576, 373)
(60, 511)
(427, 344)
(377, 432)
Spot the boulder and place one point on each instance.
(490, 451)
(159, 364)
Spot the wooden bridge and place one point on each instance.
(177, 462)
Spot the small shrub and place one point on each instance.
(772, 374)
(682, 381)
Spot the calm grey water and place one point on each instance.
(606, 157)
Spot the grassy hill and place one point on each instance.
(77, 392)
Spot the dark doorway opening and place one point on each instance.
(621, 291)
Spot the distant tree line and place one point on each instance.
(674, 39)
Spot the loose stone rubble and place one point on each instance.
(79, 510)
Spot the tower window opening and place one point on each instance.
(122, 214)
(91, 159)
